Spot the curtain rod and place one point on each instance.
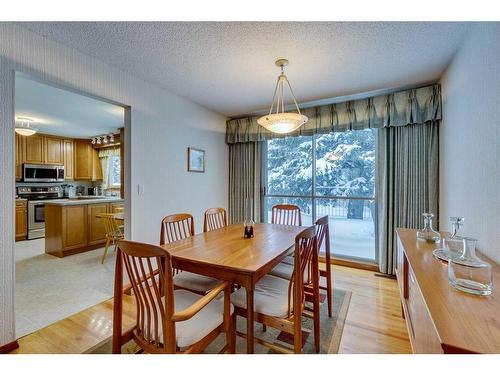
(343, 98)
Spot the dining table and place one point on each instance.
(227, 255)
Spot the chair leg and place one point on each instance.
(329, 288)
(316, 314)
(232, 342)
(105, 251)
(264, 327)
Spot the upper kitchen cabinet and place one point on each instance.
(53, 150)
(87, 165)
(34, 149)
(19, 156)
(68, 159)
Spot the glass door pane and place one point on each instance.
(351, 224)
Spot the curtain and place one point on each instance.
(244, 179)
(105, 156)
(407, 183)
(415, 106)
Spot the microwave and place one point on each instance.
(43, 173)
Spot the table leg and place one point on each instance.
(250, 342)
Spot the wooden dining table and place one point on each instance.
(226, 255)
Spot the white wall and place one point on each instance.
(470, 138)
(163, 125)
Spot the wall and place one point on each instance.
(163, 125)
(470, 138)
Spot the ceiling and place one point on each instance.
(229, 66)
(65, 113)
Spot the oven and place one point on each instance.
(43, 173)
(36, 219)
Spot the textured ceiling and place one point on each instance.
(65, 113)
(229, 66)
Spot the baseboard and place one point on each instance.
(7, 348)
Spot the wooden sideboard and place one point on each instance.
(439, 318)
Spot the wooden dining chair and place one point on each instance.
(114, 232)
(286, 214)
(215, 218)
(279, 303)
(177, 227)
(167, 321)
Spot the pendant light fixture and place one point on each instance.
(23, 126)
(280, 121)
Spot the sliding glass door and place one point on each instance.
(329, 174)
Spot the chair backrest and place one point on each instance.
(176, 227)
(215, 218)
(111, 226)
(286, 214)
(323, 233)
(305, 246)
(149, 269)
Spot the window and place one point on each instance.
(114, 175)
(330, 174)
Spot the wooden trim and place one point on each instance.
(352, 264)
(7, 348)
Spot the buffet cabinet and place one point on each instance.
(439, 318)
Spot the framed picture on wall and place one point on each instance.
(196, 160)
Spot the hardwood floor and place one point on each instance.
(373, 324)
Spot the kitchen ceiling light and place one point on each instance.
(280, 121)
(23, 127)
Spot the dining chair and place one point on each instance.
(177, 227)
(278, 302)
(285, 268)
(286, 214)
(169, 321)
(215, 218)
(114, 232)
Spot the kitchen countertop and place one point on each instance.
(86, 200)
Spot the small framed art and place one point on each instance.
(196, 160)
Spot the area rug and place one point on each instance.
(331, 332)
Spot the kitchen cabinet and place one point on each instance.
(34, 149)
(116, 207)
(21, 220)
(87, 164)
(74, 228)
(68, 159)
(53, 152)
(96, 230)
(19, 156)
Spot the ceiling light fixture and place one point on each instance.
(280, 121)
(23, 126)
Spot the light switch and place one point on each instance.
(140, 189)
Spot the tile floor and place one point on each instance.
(49, 289)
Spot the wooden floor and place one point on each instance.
(373, 324)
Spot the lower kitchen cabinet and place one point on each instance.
(21, 220)
(75, 228)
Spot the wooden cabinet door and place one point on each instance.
(34, 149)
(74, 220)
(68, 159)
(97, 232)
(21, 220)
(19, 156)
(114, 206)
(53, 150)
(96, 166)
(83, 160)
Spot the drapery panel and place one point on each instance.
(415, 106)
(244, 179)
(407, 183)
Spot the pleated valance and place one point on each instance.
(414, 106)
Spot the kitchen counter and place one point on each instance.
(84, 200)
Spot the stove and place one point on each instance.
(37, 196)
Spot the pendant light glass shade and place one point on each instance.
(279, 121)
(24, 127)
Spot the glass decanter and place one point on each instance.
(469, 273)
(427, 233)
(248, 224)
(452, 243)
